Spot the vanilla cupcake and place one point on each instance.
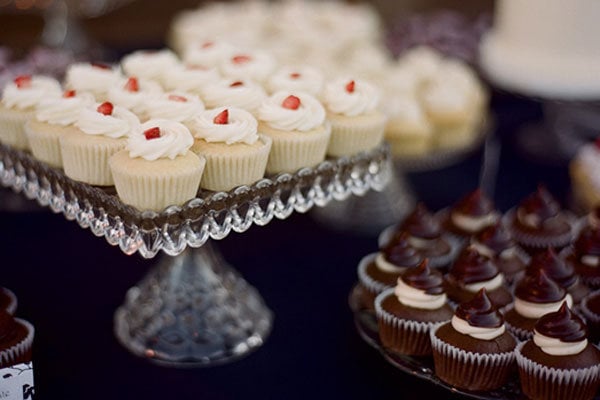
(149, 64)
(157, 168)
(356, 123)
(103, 130)
(208, 53)
(17, 106)
(235, 153)
(175, 106)
(253, 65)
(244, 94)
(190, 78)
(296, 124)
(131, 93)
(95, 78)
(408, 129)
(55, 117)
(296, 79)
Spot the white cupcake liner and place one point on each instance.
(348, 137)
(289, 154)
(406, 333)
(12, 128)
(370, 284)
(541, 241)
(475, 369)
(8, 356)
(12, 305)
(553, 383)
(45, 145)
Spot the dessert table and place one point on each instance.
(69, 284)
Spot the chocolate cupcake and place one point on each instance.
(590, 310)
(408, 312)
(497, 243)
(472, 271)
(474, 351)
(584, 256)
(380, 271)
(16, 340)
(539, 222)
(559, 363)
(426, 235)
(560, 272)
(535, 295)
(8, 301)
(471, 214)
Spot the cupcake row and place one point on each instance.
(158, 147)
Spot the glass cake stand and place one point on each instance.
(192, 309)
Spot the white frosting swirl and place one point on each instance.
(473, 223)
(248, 95)
(364, 99)
(297, 79)
(63, 110)
(166, 106)
(406, 109)
(255, 65)
(149, 64)
(241, 127)
(537, 310)
(556, 347)
(424, 61)
(119, 124)
(445, 97)
(309, 115)
(482, 249)
(175, 139)
(489, 285)
(416, 298)
(189, 78)
(31, 94)
(531, 220)
(86, 77)
(133, 101)
(208, 53)
(386, 266)
(590, 260)
(477, 332)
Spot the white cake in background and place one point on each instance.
(546, 48)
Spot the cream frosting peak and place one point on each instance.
(119, 124)
(176, 106)
(29, 95)
(63, 110)
(241, 126)
(309, 114)
(175, 139)
(362, 99)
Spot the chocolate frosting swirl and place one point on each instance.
(424, 278)
(496, 237)
(537, 287)
(475, 203)
(555, 268)
(8, 326)
(541, 203)
(480, 312)
(588, 242)
(471, 266)
(422, 224)
(399, 251)
(562, 324)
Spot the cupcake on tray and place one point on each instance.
(131, 93)
(16, 340)
(239, 93)
(496, 242)
(19, 101)
(149, 64)
(157, 168)
(302, 78)
(94, 78)
(560, 272)
(55, 117)
(474, 351)
(535, 295)
(408, 312)
(472, 271)
(559, 363)
(356, 122)
(295, 121)
(538, 222)
(102, 132)
(470, 215)
(8, 301)
(380, 271)
(584, 256)
(175, 106)
(590, 310)
(235, 153)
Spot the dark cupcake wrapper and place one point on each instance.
(528, 239)
(400, 335)
(12, 306)
(541, 382)
(10, 356)
(468, 370)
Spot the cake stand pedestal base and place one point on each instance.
(193, 310)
